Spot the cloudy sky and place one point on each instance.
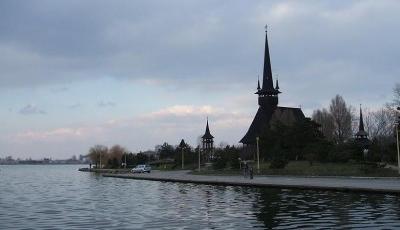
(137, 73)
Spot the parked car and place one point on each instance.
(141, 169)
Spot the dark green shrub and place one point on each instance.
(220, 160)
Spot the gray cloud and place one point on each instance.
(75, 106)
(211, 35)
(106, 104)
(31, 109)
(59, 89)
(314, 45)
(318, 48)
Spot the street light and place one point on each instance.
(199, 158)
(125, 160)
(183, 160)
(258, 156)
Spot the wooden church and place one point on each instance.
(268, 110)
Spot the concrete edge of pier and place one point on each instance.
(364, 185)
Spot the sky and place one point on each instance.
(74, 74)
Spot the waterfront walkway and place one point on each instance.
(356, 184)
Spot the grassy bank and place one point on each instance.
(303, 168)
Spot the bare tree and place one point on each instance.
(325, 119)
(98, 154)
(383, 122)
(116, 152)
(342, 118)
(396, 92)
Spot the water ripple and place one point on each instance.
(60, 197)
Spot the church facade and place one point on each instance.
(268, 110)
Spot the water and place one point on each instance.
(60, 197)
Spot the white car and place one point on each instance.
(141, 169)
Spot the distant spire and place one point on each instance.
(277, 84)
(182, 144)
(361, 126)
(207, 134)
(361, 134)
(258, 84)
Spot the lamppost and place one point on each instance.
(397, 138)
(258, 156)
(182, 145)
(199, 158)
(183, 159)
(125, 161)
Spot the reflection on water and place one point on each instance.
(61, 197)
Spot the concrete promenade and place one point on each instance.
(355, 184)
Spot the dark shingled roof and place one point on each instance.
(266, 116)
(207, 134)
(182, 144)
(361, 132)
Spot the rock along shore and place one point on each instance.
(346, 184)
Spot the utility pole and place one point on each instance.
(397, 137)
(183, 159)
(100, 160)
(199, 158)
(398, 149)
(258, 156)
(125, 160)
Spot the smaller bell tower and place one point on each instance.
(208, 144)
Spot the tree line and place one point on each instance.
(116, 156)
(329, 135)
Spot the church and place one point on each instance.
(268, 111)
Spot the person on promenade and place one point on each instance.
(251, 173)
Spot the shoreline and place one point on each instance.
(348, 184)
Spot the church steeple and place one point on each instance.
(361, 134)
(268, 112)
(207, 134)
(361, 126)
(267, 85)
(267, 95)
(208, 144)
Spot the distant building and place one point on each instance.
(268, 110)
(208, 144)
(361, 137)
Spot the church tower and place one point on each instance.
(208, 143)
(361, 136)
(268, 110)
(267, 95)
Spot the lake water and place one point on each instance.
(60, 197)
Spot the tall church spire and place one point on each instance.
(267, 95)
(267, 85)
(361, 126)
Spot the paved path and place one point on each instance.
(359, 184)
